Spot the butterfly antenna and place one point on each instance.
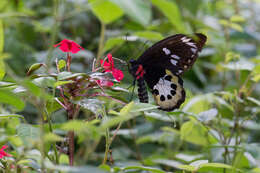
(132, 92)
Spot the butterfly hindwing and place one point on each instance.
(162, 65)
(168, 92)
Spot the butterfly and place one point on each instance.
(161, 67)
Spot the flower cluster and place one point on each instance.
(3, 153)
(108, 66)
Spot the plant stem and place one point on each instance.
(54, 31)
(68, 61)
(107, 146)
(101, 43)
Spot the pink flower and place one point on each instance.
(105, 83)
(109, 67)
(3, 153)
(68, 46)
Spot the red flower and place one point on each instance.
(3, 153)
(68, 46)
(105, 83)
(109, 67)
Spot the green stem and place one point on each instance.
(107, 146)
(101, 43)
(54, 145)
(54, 31)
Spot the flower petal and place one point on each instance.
(68, 46)
(118, 74)
(110, 60)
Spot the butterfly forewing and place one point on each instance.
(177, 53)
(164, 63)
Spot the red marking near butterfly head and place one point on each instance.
(139, 72)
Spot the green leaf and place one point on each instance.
(2, 69)
(52, 106)
(74, 125)
(61, 64)
(34, 67)
(237, 18)
(51, 137)
(256, 170)
(44, 82)
(149, 35)
(144, 168)
(11, 116)
(122, 116)
(256, 78)
(11, 99)
(138, 10)
(59, 83)
(241, 161)
(105, 10)
(239, 65)
(172, 12)
(1, 36)
(194, 132)
(68, 75)
(253, 100)
(236, 26)
(113, 42)
(28, 133)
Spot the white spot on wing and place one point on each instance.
(193, 50)
(166, 51)
(174, 62)
(185, 40)
(191, 44)
(163, 86)
(180, 71)
(175, 56)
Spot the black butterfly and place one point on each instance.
(161, 67)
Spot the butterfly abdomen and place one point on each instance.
(142, 91)
(138, 72)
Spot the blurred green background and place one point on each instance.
(219, 121)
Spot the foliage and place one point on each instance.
(55, 103)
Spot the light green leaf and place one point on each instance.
(256, 78)
(1, 36)
(51, 137)
(11, 116)
(113, 42)
(11, 99)
(44, 82)
(236, 26)
(59, 83)
(145, 168)
(28, 133)
(2, 69)
(138, 10)
(255, 101)
(74, 125)
(194, 132)
(172, 12)
(61, 64)
(239, 65)
(105, 10)
(237, 18)
(68, 75)
(34, 67)
(149, 35)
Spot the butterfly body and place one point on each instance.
(161, 67)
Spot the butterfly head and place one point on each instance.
(136, 69)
